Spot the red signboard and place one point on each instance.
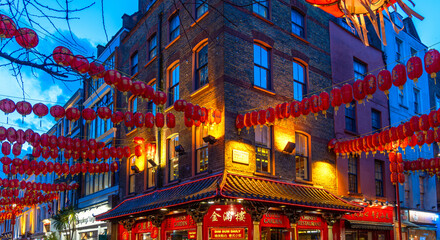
(227, 233)
(179, 222)
(227, 216)
(373, 214)
(274, 219)
(144, 227)
(192, 234)
(310, 221)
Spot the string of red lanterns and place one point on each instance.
(431, 166)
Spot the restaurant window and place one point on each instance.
(360, 69)
(350, 117)
(416, 101)
(297, 20)
(299, 81)
(201, 148)
(174, 27)
(173, 90)
(378, 175)
(173, 158)
(201, 8)
(375, 120)
(353, 173)
(399, 49)
(131, 175)
(152, 47)
(202, 66)
(261, 67)
(151, 107)
(263, 138)
(302, 156)
(134, 63)
(422, 192)
(261, 7)
(309, 234)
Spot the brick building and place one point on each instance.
(210, 180)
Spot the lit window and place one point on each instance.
(353, 174)
(174, 27)
(350, 117)
(378, 173)
(201, 8)
(260, 7)
(132, 175)
(299, 81)
(302, 156)
(151, 174)
(173, 158)
(375, 120)
(134, 64)
(261, 66)
(202, 66)
(173, 90)
(201, 148)
(152, 48)
(263, 148)
(297, 20)
(360, 69)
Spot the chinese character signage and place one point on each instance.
(274, 219)
(227, 233)
(423, 217)
(179, 222)
(373, 214)
(310, 221)
(227, 215)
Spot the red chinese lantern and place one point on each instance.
(399, 76)
(401, 178)
(73, 114)
(370, 85)
(129, 120)
(394, 176)
(171, 120)
(336, 98)
(16, 149)
(314, 99)
(189, 122)
(160, 98)
(26, 38)
(424, 123)
(139, 119)
(138, 88)
(295, 109)
(8, 28)
(114, 167)
(6, 148)
(20, 136)
(218, 116)
(305, 106)
(197, 113)
(117, 117)
(420, 139)
(270, 116)
(262, 117)
(324, 102)
(11, 135)
(40, 110)
(159, 120)
(148, 94)
(254, 118)
(149, 120)
(23, 108)
(278, 112)
(384, 81)
(401, 132)
(96, 70)
(203, 115)
(359, 91)
(434, 119)
(62, 56)
(239, 121)
(432, 62)
(104, 113)
(437, 135)
(111, 77)
(57, 112)
(88, 114)
(414, 68)
(347, 94)
(179, 105)
(124, 84)
(2, 133)
(189, 111)
(80, 64)
(138, 150)
(415, 124)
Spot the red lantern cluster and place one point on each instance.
(430, 166)
(8, 28)
(396, 167)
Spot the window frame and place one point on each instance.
(261, 7)
(173, 86)
(377, 113)
(131, 175)
(304, 158)
(295, 24)
(134, 63)
(352, 118)
(353, 164)
(152, 48)
(151, 107)
(263, 148)
(171, 160)
(380, 180)
(198, 68)
(358, 64)
(296, 82)
(203, 5)
(259, 66)
(201, 146)
(176, 29)
(416, 100)
(399, 50)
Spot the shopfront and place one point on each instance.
(87, 227)
(312, 227)
(179, 227)
(227, 222)
(275, 226)
(374, 223)
(426, 225)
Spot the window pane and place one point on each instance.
(173, 158)
(350, 117)
(201, 8)
(302, 156)
(299, 81)
(297, 23)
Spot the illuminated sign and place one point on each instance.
(240, 156)
(192, 234)
(310, 221)
(228, 215)
(227, 233)
(179, 222)
(423, 217)
(373, 214)
(274, 219)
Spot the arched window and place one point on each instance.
(201, 66)
(299, 81)
(173, 89)
(261, 66)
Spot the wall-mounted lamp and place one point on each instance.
(138, 140)
(152, 163)
(209, 139)
(179, 149)
(289, 148)
(135, 169)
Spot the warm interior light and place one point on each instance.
(138, 140)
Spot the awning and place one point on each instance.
(353, 224)
(409, 224)
(232, 186)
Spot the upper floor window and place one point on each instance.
(437, 101)
(302, 156)
(134, 63)
(350, 117)
(375, 120)
(399, 50)
(416, 100)
(378, 175)
(297, 20)
(201, 8)
(422, 192)
(174, 27)
(401, 97)
(151, 107)
(110, 62)
(152, 47)
(202, 66)
(263, 138)
(261, 7)
(173, 158)
(413, 52)
(360, 69)
(201, 148)
(133, 104)
(151, 175)
(131, 174)
(173, 90)
(353, 174)
(299, 81)
(261, 66)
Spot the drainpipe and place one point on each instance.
(159, 86)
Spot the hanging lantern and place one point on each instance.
(278, 112)
(188, 122)
(57, 112)
(11, 135)
(437, 135)
(7, 106)
(347, 94)
(203, 115)
(336, 98)
(20, 136)
(270, 116)
(2, 133)
(8, 28)
(178, 105)
(429, 137)
(26, 38)
(424, 123)
(159, 120)
(149, 120)
(434, 119)
(401, 178)
(23, 108)
(197, 113)
(254, 118)
(171, 120)
(414, 68)
(40, 110)
(370, 85)
(324, 102)
(148, 95)
(138, 88)
(53, 141)
(124, 85)
(399, 76)
(80, 64)
(384, 81)
(189, 111)
(160, 98)
(420, 139)
(62, 56)
(104, 113)
(432, 62)
(139, 119)
(358, 91)
(415, 123)
(16, 149)
(314, 99)
(6, 148)
(96, 70)
(239, 121)
(262, 117)
(305, 106)
(394, 176)
(117, 117)
(138, 150)
(114, 167)
(218, 116)
(129, 120)
(295, 109)
(111, 77)
(73, 114)
(401, 132)
(88, 114)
